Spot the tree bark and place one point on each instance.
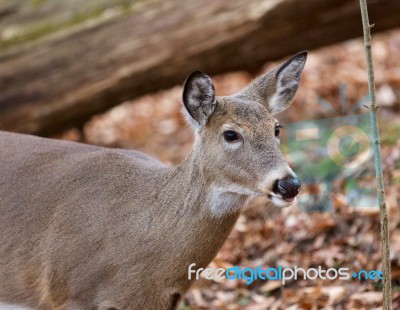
(385, 239)
(63, 79)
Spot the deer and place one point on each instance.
(85, 227)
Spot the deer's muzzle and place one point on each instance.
(288, 187)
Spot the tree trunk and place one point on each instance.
(62, 79)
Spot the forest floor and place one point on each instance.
(345, 237)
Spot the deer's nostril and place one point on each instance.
(288, 187)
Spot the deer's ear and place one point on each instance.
(198, 98)
(276, 89)
(287, 80)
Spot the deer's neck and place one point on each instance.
(199, 193)
(198, 214)
(201, 213)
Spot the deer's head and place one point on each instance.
(237, 136)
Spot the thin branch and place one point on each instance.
(387, 280)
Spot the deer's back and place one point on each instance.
(56, 200)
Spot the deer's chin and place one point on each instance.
(280, 202)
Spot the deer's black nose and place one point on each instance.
(288, 187)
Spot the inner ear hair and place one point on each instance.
(295, 64)
(287, 81)
(199, 98)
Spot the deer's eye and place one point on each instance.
(231, 136)
(277, 130)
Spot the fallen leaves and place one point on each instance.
(268, 236)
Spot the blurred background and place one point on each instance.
(110, 73)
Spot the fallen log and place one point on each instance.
(61, 80)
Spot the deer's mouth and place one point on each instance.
(280, 201)
(289, 199)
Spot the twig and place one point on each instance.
(387, 280)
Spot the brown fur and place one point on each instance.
(84, 227)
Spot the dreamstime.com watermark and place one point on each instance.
(283, 274)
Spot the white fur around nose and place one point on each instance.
(267, 184)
